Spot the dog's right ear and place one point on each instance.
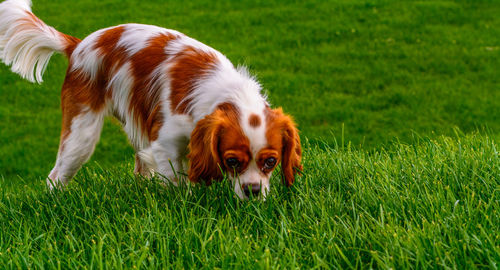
(204, 160)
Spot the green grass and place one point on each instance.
(365, 80)
(433, 204)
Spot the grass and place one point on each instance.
(433, 204)
(361, 78)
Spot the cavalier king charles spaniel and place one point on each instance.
(183, 105)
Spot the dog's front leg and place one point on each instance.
(167, 166)
(170, 149)
(168, 158)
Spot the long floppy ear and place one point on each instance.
(203, 154)
(291, 153)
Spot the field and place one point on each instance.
(398, 106)
(433, 205)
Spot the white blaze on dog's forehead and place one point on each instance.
(256, 134)
(251, 104)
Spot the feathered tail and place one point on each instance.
(27, 43)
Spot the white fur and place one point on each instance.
(121, 85)
(170, 149)
(135, 36)
(77, 148)
(86, 58)
(146, 155)
(24, 44)
(253, 104)
(225, 84)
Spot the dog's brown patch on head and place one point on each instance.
(254, 120)
(145, 104)
(229, 109)
(190, 66)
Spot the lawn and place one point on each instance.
(398, 103)
(433, 204)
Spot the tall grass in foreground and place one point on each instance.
(434, 204)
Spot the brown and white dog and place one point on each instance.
(181, 103)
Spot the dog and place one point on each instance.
(182, 103)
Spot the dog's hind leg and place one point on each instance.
(79, 136)
(76, 146)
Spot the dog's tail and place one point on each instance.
(27, 43)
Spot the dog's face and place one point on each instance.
(246, 148)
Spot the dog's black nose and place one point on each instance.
(255, 189)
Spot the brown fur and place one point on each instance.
(145, 100)
(78, 90)
(265, 154)
(113, 57)
(233, 142)
(190, 66)
(254, 120)
(213, 138)
(71, 44)
(281, 131)
(217, 137)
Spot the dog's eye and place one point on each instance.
(269, 163)
(232, 162)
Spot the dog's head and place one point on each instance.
(245, 146)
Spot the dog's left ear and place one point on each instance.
(282, 127)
